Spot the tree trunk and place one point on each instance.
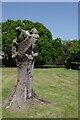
(23, 50)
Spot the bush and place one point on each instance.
(72, 65)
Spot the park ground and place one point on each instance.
(57, 85)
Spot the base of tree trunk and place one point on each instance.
(12, 103)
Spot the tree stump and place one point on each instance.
(24, 51)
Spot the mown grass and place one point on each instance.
(58, 85)
(0, 93)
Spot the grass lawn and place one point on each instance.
(58, 85)
(0, 93)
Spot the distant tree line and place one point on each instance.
(51, 51)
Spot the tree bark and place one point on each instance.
(24, 53)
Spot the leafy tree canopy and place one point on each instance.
(51, 51)
(44, 45)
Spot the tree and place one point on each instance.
(24, 51)
(58, 50)
(73, 53)
(44, 46)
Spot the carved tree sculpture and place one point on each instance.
(24, 51)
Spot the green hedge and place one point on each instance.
(72, 65)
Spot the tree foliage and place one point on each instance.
(58, 50)
(51, 51)
(73, 53)
(44, 45)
